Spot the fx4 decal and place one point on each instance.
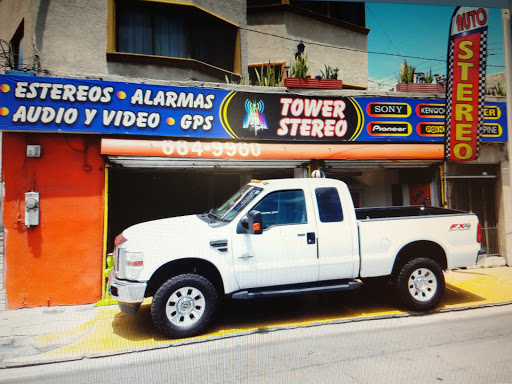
(460, 227)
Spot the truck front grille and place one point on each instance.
(116, 259)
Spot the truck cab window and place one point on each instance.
(282, 208)
(329, 206)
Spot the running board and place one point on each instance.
(295, 290)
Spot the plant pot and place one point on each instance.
(421, 87)
(295, 82)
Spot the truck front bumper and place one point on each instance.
(129, 294)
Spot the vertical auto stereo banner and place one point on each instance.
(465, 92)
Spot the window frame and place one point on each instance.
(189, 63)
(322, 210)
(16, 43)
(282, 224)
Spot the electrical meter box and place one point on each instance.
(31, 209)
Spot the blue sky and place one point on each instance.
(402, 30)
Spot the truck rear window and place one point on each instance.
(329, 205)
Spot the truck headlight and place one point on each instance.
(134, 264)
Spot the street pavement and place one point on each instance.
(34, 336)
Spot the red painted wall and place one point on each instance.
(58, 262)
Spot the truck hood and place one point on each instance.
(164, 240)
(173, 226)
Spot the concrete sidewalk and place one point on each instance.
(45, 335)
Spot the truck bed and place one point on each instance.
(402, 212)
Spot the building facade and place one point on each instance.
(117, 112)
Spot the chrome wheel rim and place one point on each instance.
(185, 306)
(422, 284)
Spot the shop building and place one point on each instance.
(100, 133)
(337, 28)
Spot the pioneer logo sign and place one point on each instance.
(389, 128)
(467, 55)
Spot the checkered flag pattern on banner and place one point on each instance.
(481, 88)
(449, 95)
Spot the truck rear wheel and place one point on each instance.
(420, 284)
(184, 306)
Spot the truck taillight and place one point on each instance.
(479, 233)
(120, 239)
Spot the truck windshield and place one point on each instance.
(230, 209)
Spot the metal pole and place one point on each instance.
(507, 48)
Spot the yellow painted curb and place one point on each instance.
(61, 338)
(115, 332)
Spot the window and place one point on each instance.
(329, 206)
(266, 2)
(177, 31)
(237, 202)
(350, 12)
(281, 208)
(17, 47)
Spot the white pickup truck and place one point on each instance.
(281, 237)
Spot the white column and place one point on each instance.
(506, 172)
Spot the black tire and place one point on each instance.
(420, 284)
(184, 306)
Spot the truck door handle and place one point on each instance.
(311, 237)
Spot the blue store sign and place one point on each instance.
(102, 107)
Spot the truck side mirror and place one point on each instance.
(254, 223)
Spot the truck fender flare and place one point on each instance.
(421, 248)
(182, 266)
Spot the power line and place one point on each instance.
(383, 30)
(349, 49)
(420, 64)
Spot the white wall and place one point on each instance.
(504, 208)
(353, 65)
(70, 38)
(12, 13)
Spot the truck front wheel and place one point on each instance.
(184, 306)
(420, 284)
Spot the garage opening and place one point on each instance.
(137, 195)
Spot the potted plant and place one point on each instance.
(424, 82)
(299, 77)
(267, 77)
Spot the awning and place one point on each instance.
(238, 155)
